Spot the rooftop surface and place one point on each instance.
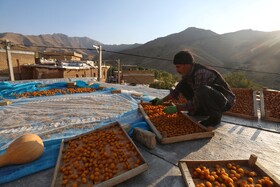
(234, 139)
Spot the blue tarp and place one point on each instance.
(9, 90)
(50, 155)
(46, 161)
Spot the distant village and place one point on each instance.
(27, 65)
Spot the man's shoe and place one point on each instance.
(211, 121)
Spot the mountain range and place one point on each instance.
(255, 51)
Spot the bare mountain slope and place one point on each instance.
(246, 49)
(61, 42)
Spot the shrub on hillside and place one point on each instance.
(240, 80)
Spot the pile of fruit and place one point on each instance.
(52, 92)
(97, 157)
(181, 100)
(230, 175)
(272, 103)
(244, 102)
(170, 125)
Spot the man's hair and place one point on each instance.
(183, 57)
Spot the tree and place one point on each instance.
(240, 80)
(164, 80)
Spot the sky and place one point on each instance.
(135, 21)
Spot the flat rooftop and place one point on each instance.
(234, 139)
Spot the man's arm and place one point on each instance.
(167, 98)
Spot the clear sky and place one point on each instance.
(135, 21)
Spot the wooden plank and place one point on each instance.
(208, 133)
(154, 129)
(262, 104)
(268, 173)
(266, 118)
(186, 174)
(123, 177)
(187, 137)
(57, 163)
(187, 168)
(255, 104)
(240, 115)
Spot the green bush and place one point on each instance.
(164, 80)
(240, 80)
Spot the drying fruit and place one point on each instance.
(97, 156)
(170, 125)
(229, 175)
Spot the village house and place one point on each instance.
(65, 70)
(52, 65)
(133, 75)
(65, 56)
(66, 65)
(18, 58)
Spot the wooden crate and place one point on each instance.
(71, 84)
(188, 167)
(245, 105)
(116, 91)
(5, 102)
(270, 105)
(187, 130)
(101, 87)
(102, 157)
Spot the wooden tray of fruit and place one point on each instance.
(270, 105)
(245, 105)
(226, 173)
(102, 157)
(171, 128)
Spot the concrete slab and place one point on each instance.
(259, 124)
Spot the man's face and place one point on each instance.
(183, 69)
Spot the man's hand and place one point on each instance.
(156, 101)
(170, 110)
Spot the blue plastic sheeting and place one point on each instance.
(47, 160)
(52, 145)
(140, 124)
(9, 90)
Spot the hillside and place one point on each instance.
(246, 49)
(60, 42)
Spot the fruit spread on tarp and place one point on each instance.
(59, 115)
